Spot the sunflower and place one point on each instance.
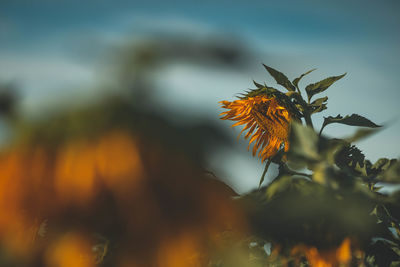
(265, 119)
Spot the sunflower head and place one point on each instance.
(266, 119)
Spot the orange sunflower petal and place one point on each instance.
(265, 119)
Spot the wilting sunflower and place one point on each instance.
(267, 122)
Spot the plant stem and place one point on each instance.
(320, 131)
(306, 113)
(284, 169)
(264, 172)
(307, 118)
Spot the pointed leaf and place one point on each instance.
(360, 134)
(321, 86)
(296, 81)
(259, 86)
(382, 164)
(352, 120)
(264, 89)
(392, 174)
(280, 78)
(318, 102)
(318, 105)
(319, 109)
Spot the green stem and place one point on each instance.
(322, 128)
(264, 172)
(298, 90)
(306, 113)
(308, 120)
(301, 174)
(284, 169)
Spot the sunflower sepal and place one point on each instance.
(264, 90)
(291, 93)
(280, 157)
(258, 85)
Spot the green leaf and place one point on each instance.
(392, 175)
(318, 102)
(277, 186)
(351, 158)
(304, 142)
(324, 175)
(382, 164)
(318, 105)
(280, 78)
(319, 109)
(352, 120)
(360, 134)
(381, 170)
(321, 86)
(296, 81)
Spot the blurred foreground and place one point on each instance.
(113, 181)
(110, 184)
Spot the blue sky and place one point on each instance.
(41, 39)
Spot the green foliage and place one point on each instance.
(280, 78)
(326, 189)
(352, 120)
(296, 81)
(319, 105)
(390, 170)
(321, 86)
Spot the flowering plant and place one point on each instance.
(324, 207)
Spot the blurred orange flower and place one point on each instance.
(70, 250)
(53, 197)
(335, 257)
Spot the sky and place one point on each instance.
(56, 49)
